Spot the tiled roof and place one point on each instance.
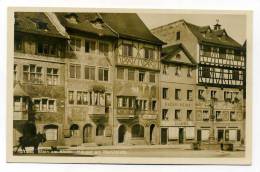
(125, 25)
(172, 50)
(85, 22)
(129, 25)
(207, 35)
(27, 22)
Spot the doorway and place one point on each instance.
(220, 135)
(87, 134)
(199, 135)
(152, 134)
(121, 134)
(164, 137)
(181, 135)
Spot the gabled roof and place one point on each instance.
(28, 21)
(125, 25)
(205, 34)
(172, 50)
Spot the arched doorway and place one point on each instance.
(121, 134)
(87, 133)
(152, 134)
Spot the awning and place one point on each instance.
(128, 91)
(19, 91)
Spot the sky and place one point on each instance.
(235, 25)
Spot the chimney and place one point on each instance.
(217, 26)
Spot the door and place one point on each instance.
(199, 135)
(181, 135)
(87, 134)
(121, 134)
(220, 135)
(152, 134)
(164, 137)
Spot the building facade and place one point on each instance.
(219, 79)
(105, 79)
(39, 67)
(178, 86)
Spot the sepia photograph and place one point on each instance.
(137, 86)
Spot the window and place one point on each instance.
(232, 116)
(165, 114)
(178, 56)
(218, 116)
(177, 94)
(90, 46)
(44, 105)
(32, 73)
(201, 94)
(138, 131)
(189, 115)
(189, 74)
(100, 130)
(102, 74)
(177, 114)
(131, 74)
(127, 50)
(154, 106)
(74, 130)
(165, 69)
(148, 53)
(165, 93)
(71, 97)
(15, 72)
(141, 76)
(178, 70)
(89, 72)
(52, 76)
(142, 104)
(178, 35)
(103, 48)
(205, 115)
(235, 74)
(44, 48)
(79, 97)
(213, 94)
(42, 26)
(206, 72)
(18, 44)
(51, 132)
(75, 44)
(189, 95)
(227, 96)
(152, 77)
(124, 101)
(75, 70)
(20, 103)
(120, 73)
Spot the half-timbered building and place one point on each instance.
(219, 78)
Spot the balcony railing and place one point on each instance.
(20, 115)
(138, 62)
(125, 113)
(96, 110)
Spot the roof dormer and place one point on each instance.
(72, 18)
